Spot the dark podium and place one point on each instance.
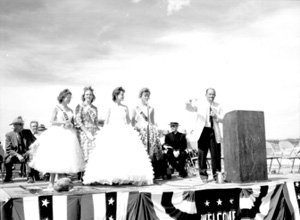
(245, 146)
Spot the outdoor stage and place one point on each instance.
(189, 198)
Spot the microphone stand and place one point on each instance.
(148, 130)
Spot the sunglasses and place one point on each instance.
(174, 126)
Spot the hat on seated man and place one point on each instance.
(17, 121)
(42, 127)
(174, 123)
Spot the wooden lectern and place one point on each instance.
(245, 146)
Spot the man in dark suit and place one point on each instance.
(17, 145)
(176, 144)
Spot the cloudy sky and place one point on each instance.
(249, 51)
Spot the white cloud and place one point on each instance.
(176, 5)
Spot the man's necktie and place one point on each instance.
(175, 137)
(211, 119)
(19, 138)
(21, 143)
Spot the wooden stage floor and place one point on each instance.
(20, 188)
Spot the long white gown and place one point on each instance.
(119, 156)
(57, 150)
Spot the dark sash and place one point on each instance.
(142, 113)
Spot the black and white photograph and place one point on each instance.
(149, 109)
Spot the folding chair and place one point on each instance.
(297, 151)
(271, 155)
(290, 152)
(191, 162)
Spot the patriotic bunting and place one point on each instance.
(266, 202)
(47, 208)
(292, 195)
(201, 204)
(109, 206)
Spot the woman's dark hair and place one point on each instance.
(144, 90)
(89, 88)
(63, 94)
(116, 92)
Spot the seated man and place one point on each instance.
(17, 146)
(34, 128)
(176, 144)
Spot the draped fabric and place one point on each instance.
(267, 201)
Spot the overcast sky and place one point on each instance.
(249, 51)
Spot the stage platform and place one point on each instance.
(188, 198)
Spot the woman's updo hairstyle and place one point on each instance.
(63, 94)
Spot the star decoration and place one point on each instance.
(297, 184)
(219, 202)
(206, 203)
(298, 197)
(111, 218)
(111, 201)
(45, 202)
(231, 201)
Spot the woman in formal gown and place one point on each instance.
(57, 150)
(144, 122)
(86, 120)
(119, 156)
